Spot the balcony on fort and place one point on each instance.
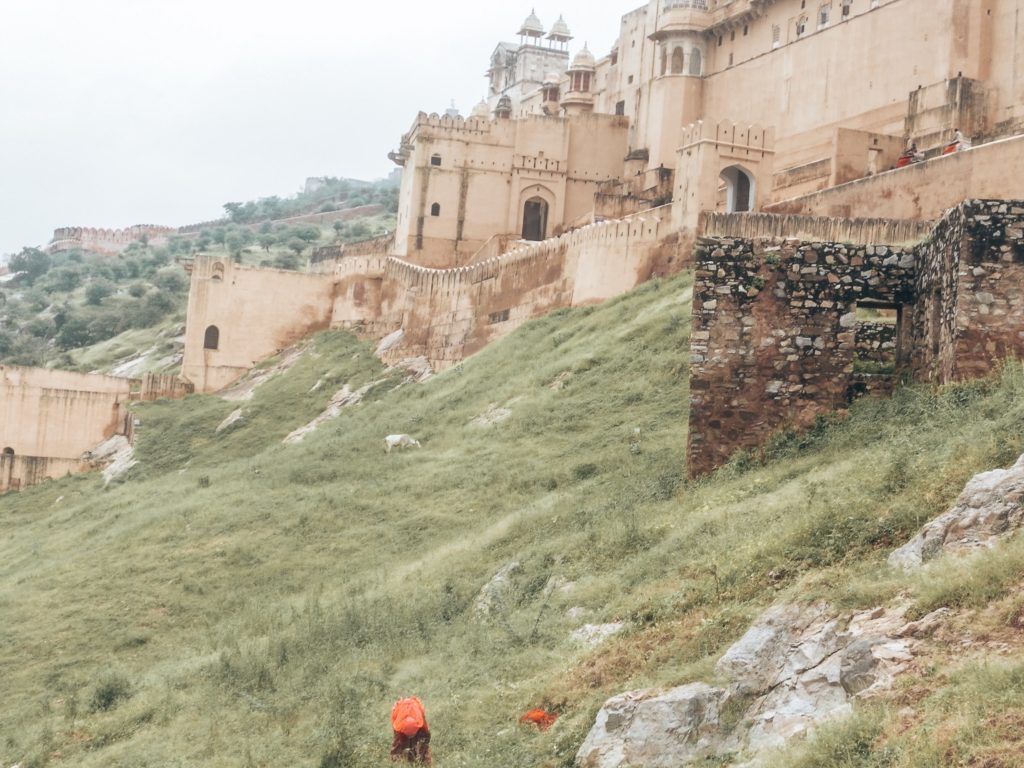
(682, 16)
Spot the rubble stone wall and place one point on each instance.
(775, 330)
(774, 334)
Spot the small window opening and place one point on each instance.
(211, 339)
(696, 62)
(435, 209)
(730, 59)
(677, 61)
(498, 317)
(8, 451)
(435, 160)
(218, 272)
(776, 36)
(620, 108)
(846, 7)
(824, 16)
(801, 26)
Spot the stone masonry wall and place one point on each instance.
(775, 331)
(774, 334)
(980, 253)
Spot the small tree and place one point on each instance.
(97, 290)
(297, 245)
(308, 233)
(266, 241)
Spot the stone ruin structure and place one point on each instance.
(778, 331)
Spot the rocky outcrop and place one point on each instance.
(493, 599)
(656, 730)
(989, 508)
(795, 667)
(115, 456)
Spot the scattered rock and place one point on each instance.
(493, 415)
(493, 597)
(925, 626)
(233, 418)
(245, 388)
(560, 380)
(783, 642)
(342, 399)
(988, 509)
(390, 341)
(419, 369)
(577, 612)
(592, 635)
(115, 455)
(655, 729)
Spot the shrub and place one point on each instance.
(110, 688)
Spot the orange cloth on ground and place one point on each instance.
(408, 716)
(539, 717)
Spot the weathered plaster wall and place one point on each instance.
(257, 312)
(49, 418)
(924, 190)
(449, 314)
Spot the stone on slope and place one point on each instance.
(494, 596)
(988, 508)
(783, 642)
(655, 729)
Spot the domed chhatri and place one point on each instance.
(481, 110)
(584, 60)
(560, 32)
(532, 26)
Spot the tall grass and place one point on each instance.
(264, 604)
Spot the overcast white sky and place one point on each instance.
(120, 112)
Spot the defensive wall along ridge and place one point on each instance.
(778, 330)
(239, 315)
(49, 419)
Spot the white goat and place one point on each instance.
(399, 441)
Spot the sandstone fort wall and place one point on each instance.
(239, 315)
(923, 190)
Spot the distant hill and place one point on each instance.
(84, 310)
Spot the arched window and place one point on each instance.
(664, 60)
(739, 189)
(211, 339)
(535, 219)
(677, 61)
(435, 209)
(696, 64)
(435, 160)
(218, 272)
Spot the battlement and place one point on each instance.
(646, 227)
(109, 241)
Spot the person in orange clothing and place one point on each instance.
(412, 736)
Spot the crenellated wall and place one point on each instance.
(446, 314)
(107, 241)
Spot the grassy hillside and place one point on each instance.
(240, 602)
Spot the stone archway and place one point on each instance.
(740, 189)
(535, 219)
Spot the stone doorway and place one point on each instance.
(535, 219)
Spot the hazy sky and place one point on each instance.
(120, 112)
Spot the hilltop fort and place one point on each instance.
(811, 158)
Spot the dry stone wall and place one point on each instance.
(774, 334)
(775, 329)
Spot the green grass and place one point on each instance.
(235, 601)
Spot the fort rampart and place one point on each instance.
(446, 314)
(776, 333)
(107, 241)
(922, 190)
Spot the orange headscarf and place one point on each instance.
(408, 716)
